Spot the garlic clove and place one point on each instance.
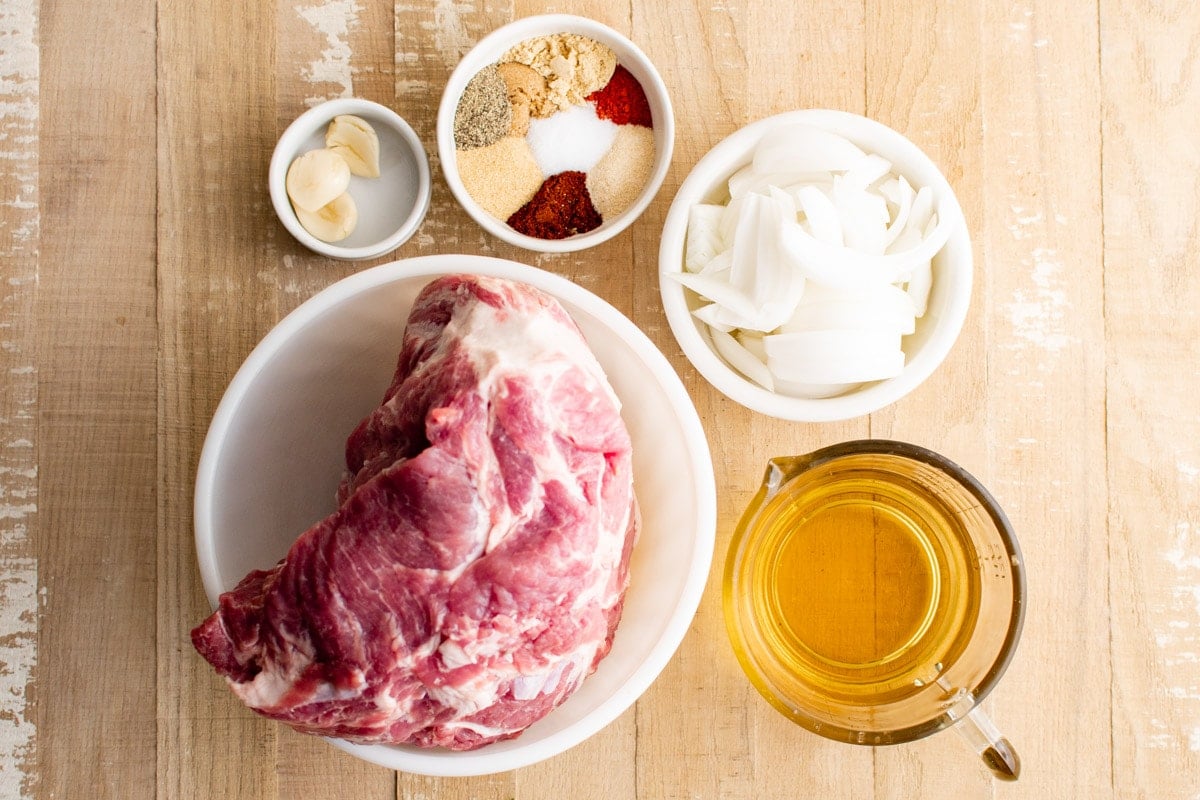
(355, 140)
(316, 178)
(332, 222)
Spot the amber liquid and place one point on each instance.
(861, 587)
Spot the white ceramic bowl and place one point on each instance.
(390, 207)
(274, 455)
(935, 332)
(488, 51)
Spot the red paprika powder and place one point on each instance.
(622, 100)
(561, 207)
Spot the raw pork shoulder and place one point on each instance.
(474, 572)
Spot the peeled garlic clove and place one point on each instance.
(316, 178)
(354, 139)
(333, 221)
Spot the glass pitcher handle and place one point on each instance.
(984, 737)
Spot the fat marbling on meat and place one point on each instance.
(474, 572)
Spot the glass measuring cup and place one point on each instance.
(874, 594)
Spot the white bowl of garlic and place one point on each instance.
(349, 179)
(815, 266)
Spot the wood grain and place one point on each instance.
(1151, 294)
(142, 263)
(216, 232)
(1045, 377)
(97, 460)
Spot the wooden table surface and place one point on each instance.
(142, 262)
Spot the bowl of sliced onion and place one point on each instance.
(815, 266)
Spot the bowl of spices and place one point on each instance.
(555, 132)
(349, 179)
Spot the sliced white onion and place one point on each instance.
(919, 284)
(879, 307)
(780, 283)
(703, 236)
(717, 290)
(784, 202)
(753, 342)
(744, 181)
(903, 200)
(721, 262)
(841, 266)
(803, 148)
(729, 320)
(922, 208)
(869, 169)
(834, 356)
(743, 272)
(864, 216)
(908, 239)
(742, 360)
(710, 315)
(730, 219)
(747, 180)
(821, 215)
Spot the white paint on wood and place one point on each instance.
(19, 228)
(1038, 311)
(18, 655)
(446, 25)
(334, 20)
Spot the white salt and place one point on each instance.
(574, 139)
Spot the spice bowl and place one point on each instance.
(934, 333)
(390, 207)
(610, 164)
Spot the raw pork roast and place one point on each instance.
(474, 572)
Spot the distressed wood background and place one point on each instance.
(141, 262)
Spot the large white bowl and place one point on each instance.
(936, 331)
(274, 455)
(489, 50)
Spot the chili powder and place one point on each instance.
(623, 100)
(562, 207)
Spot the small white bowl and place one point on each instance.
(390, 207)
(275, 452)
(488, 51)
(935, 332)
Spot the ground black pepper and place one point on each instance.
(483, 115)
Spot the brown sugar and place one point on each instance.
(526, 89)
(573, 66)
